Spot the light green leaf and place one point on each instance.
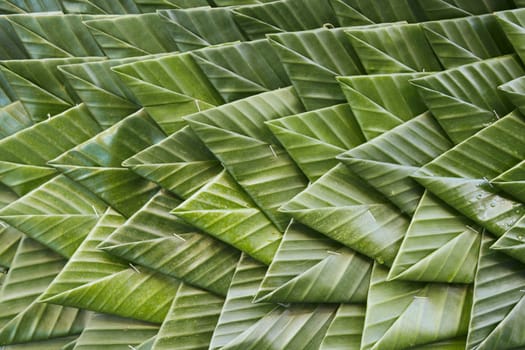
(387, 161)
(440, 246)
(190, 323)
(382, 102)
(9, 239)
(100, 7)
(223, 210)
(40, 86)
(443, 9)
(199, 27)
(114, 333)
(313, 59)
(94, 280)
(380, 11)
(396, 48)
(154, 238)
(346, 328)
(344, 208)
(239, 138)
(51, 35)
(498, 302)
(23, 6)
(512, 242)
(96, 163)
(13, 118)
(131, 35)
(313, 139)
(310, 268)
(59, 214)
(282, 16)
(512, 181)
(402, 315)
(180, 163)
(460, 177)
(52, 344)
(147, 345)
(461, 41)
(465, 100)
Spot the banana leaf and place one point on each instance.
(54, 35)
(122, 7)
(13, 118)
(513, 22)
(512, 181)
(155, 239)
(52, 344)
(382, 102)
(12, 47)
(514, 90)
(454, 96)
(346, 329)
(22, 6)
(362, 12)
(442, 9)
(131, 35)
(512, 241)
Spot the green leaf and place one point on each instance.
(282, 16)
(513, 24)
(497, 311)
(440, 246)
(387, 161)
(514, 90)
(52, 344)
(346, 328)
(100, 7)
(313, 59)
(22, 6)
(199, 27)
(512, 180)
(396, 48)
(313, 139)
(242, 70)
(169, 87)
(155, 239)
(180, 163)
(191, 320)
(402, 315)
(12, 47)
(461, 41)
(460, 176)
(96, 163)
(223, 210)
(106, 97)
(465, 100)
(442, 9)
(114, 333)
(55, 35)
(9, 239)
(512, 241)
(344, 208)
(13, 118)
(40, 86)
(310, 268)
(94, 280)
(131, 35)
(382, 102)
(239, 138)
(22, 318)
(381, 11)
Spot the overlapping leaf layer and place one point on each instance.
(262, 174)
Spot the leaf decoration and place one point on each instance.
(13, 118)
(40, 86)
(180, 163)
(46, 216)
(387, 161)
(460, 176)
(382, 102)
(96, 163)
(386, 49)
(106, 97)
(282, 16)
(12, 47)
(22, 318)
(454, 97)
(114, 332)
(498, 301)
(131, 35)
(313, 59)
(313, 139)
(362, 12)
(403, 315)
(55, 35)
(202, 308)
(448, 39)
(310, 268)
(239, 313)
(450, 249)
(346, 328)
(94, 280)
(238, 137)
(512, 241)
(344, 208)
(22, 6)
(199, 27)
(242, 70)
(154, 238)
(169, 87)
(223, 210)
